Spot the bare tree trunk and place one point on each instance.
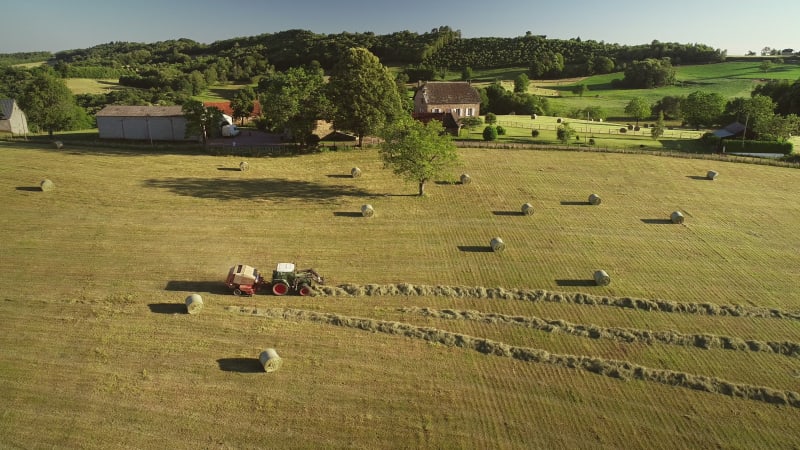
(421, 188)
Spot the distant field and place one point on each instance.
(97, 351)
(92, 86)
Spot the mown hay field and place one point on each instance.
(694, 344)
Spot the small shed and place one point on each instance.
(12, 118)
(732, 130)
(151, 123)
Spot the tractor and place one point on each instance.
(247, 280)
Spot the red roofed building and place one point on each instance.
(225, 107)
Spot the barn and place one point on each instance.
(148, 123)
(12, 118)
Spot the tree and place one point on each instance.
(466, 74)
(521, 83)
(243, 103)
(490, 118)
(639, 109)
(658, 130)
(470, 122)
(670, 106)
(292, 101)
(650, 73)
(580, 89)
(49, 104)
(779, 128)
(201, 120)
(363, 93)
(490, 133)
(565, 132)
(766, 66)
(703, 108)
(418, 152)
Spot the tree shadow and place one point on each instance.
(475, 248)
(347, 214)
(240, 365)
(657, 221)
(211, 287)
(508, 213)
(168, 308)
(575, 283)
(29, 188)
(574, 203)
(276, 190)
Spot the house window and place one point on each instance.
(458, 111)
(437, 110)
(470, 112)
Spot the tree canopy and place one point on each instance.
(292, 101)
(50, 105)
(703, 108)
(201, 120)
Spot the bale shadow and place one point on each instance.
(230, 169)
(575, 283)
(574, 203)
(657, 221)
(168, 308)
(240, 365)
(475, 248)
(697, 177)
(347, 214)
(211, 287)
(446, 183)
(338, 175)
(508, 213)
(29, 188)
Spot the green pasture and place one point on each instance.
(98, 352)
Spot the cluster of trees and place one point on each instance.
(498, 100)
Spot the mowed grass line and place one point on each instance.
(85, 270)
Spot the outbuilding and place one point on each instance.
(148, 123)
(12, 118)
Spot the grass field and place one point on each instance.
(97, 351)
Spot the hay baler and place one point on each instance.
(247, 280)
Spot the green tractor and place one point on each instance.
(287, 279)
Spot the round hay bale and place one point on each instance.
(465, 179)
(601, 278)
(676, 217)
(244, 166)
(712, 175)
(194, 304)
(527, 209)
(497, 245)
(58, 145)
(270, 360)
(594, 199)
(47, 185)
(355, 172)
(367, 211)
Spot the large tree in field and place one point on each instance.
(49, 104)
(363, 94)
(292, 101)
(243, 103)
(418, 152)
(639, 109)
(703, 108)
(201, 120)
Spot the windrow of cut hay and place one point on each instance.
(540, 295)
(622, 370)
(627, 335)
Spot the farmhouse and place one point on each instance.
(459, 98)
(12, 118)
(153, 123)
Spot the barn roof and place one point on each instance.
(444, 92)
(731, 130)
(140, 111)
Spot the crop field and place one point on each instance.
(422, 336)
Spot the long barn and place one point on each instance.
(151, 123)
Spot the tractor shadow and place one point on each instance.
(574, 203)
(240, 365)
(168, 308)
(508, 213)
(657, 221)
(347, 214)
(274, 190)
(575, 283)
(211, 287)
(475, 248)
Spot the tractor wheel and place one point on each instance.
(280, 288)
(237, 292)
(304, 290)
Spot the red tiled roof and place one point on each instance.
(225, 107)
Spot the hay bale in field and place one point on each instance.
(194, 304)
(243, 166)
(527, 209)
(676, 217)
(355, 172)
(270, 360)
(497, 245)
(47, 185)
(594, 199)
(367, 211)
(712, 175)
(601, 278)
(465, 179)
(58, 145)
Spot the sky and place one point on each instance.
(55, 25)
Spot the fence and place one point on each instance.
(584, 127)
